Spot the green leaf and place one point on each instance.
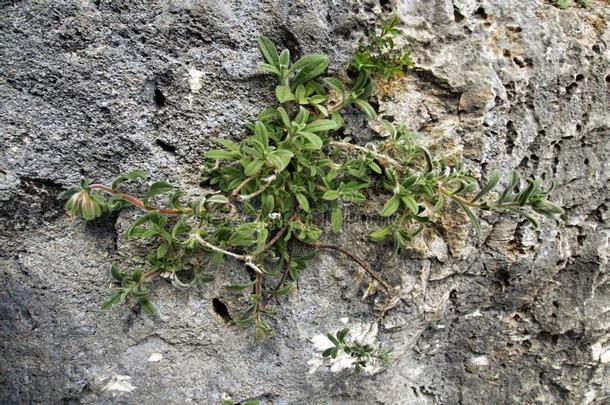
(146, 306)
(525, 215)
(388, 126)
(162, 250)
(113, 300)
(473, 218)
(265, 67)
(310, 66)
(299, 93)
(135, 174)
(320, 126)
(218, 199)
(525, 194)
(261, 239)
(336, 219)
(158, 187)
(284, 117)
(375, 167)
(238, 287)
(330, 195)
(281, 291)
(284, 58)
(391, 206)
(366, 107)
(493, 180)
(269, 51)
(342, 334)
(116, 274)
(410, 203)
(284, 94)
(253, 167)
(260, 130)
(427, 156)
(335, 85)
(313, 139)
(220, 154)
(562, 4)
(302, 116)
(311, 71)
(280, 158)
(267, 205)
(512, 183)
(379, 234)
(338, 118)
(303, 202)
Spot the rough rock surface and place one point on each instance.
(98, 87)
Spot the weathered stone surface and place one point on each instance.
(96, 88)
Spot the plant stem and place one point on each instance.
(279, 233)
(247, 259)
(235, 192)
(139, 203)
(258, 287)
(380, 156)
(371, 273)
(287, 267)
(267, 180)
(470, 204)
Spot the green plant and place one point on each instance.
(272, 189)
(564, 4)
(363, 354)
(380, 55)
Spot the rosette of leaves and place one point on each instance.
(272, 188)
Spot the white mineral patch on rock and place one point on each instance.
(155, 357)
(599, 352)
(119, 383)
(195, 80)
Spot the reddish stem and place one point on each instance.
(137, 202)
(371, 273)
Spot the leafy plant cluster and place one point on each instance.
(380, 55)
(271, 189)
(363, 354)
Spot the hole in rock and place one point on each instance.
(457, 16)
(571, 88)
(168, 147)
(221, 309)
(159, 98)
(386, 5)
(481, 13)
(519, 62)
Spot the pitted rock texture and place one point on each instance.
(95, 88)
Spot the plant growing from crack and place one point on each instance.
(272, 188)
(380, 55)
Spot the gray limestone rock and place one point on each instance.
(94, 88)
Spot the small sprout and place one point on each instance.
(363, 354)
(380, 56)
